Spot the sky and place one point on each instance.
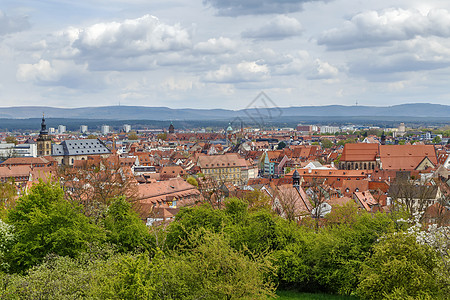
(223, 53)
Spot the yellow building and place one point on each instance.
(228, 167)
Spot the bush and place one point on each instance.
(399, 266)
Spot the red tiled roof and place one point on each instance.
(406, 157)
(360, 152)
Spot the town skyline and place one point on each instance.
(218, 54)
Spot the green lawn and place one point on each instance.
(291, 295)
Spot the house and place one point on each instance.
(366, 201)
(289, 200)
(222, 168)
(175, 192)
(172, 172)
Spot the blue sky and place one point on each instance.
(222, 53)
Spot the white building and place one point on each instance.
(21, 150)
(126, 128)
(83, 128)
(329, 129)
(25, 150)
(105, 129)
(61, 129)
(51, 130)
(6, 150)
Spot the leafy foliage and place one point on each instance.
(125, 229)
(398, 267)
(46, 223)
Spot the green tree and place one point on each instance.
(125, 229)
(281, 145)
(345, 214)
(192, 180)
(257, 200)
(437, 140)
(162, 136)
(399, 267)
(326, 143)
(92, 136)
(8, 192)
(192, 219)
(133, 136)
(46, 223)
(11, 139)
(56, 278)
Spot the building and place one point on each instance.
(371, 156)
(69, 151)
(360, 156)
(172, 193)
(105, 129)
(61, 129)
(6, 150)
(44, 141)
(223, 168)
(401, 130)
(126, 128)
(25, 150)
(407, 157)
(329, 129)
(171, 128)
(83, 128)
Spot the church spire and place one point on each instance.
(43, 126)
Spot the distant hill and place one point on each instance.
(164, 113)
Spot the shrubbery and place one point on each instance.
(49, 249)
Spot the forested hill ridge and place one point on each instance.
(165, 113)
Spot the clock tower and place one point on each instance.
(44, 141)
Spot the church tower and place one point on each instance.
(171, 128)
(44, 141)
(296, 179)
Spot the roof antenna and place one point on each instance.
(356, 104)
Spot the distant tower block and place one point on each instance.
(171, 128)
(126, 128)
(105, 129)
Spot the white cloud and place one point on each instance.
(215, 46)
(242, 72)
(41, 71)
(58, 73)
(322, 70)
(371, 28)
(132, 37)
(12, 24)
(394, 63)
(278, 28)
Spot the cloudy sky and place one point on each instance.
(222, 53)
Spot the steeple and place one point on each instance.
(296, 179)
(43, 126)
(44, 141)
(171, 128)
(383, 139)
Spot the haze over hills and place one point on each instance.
(164, 113)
